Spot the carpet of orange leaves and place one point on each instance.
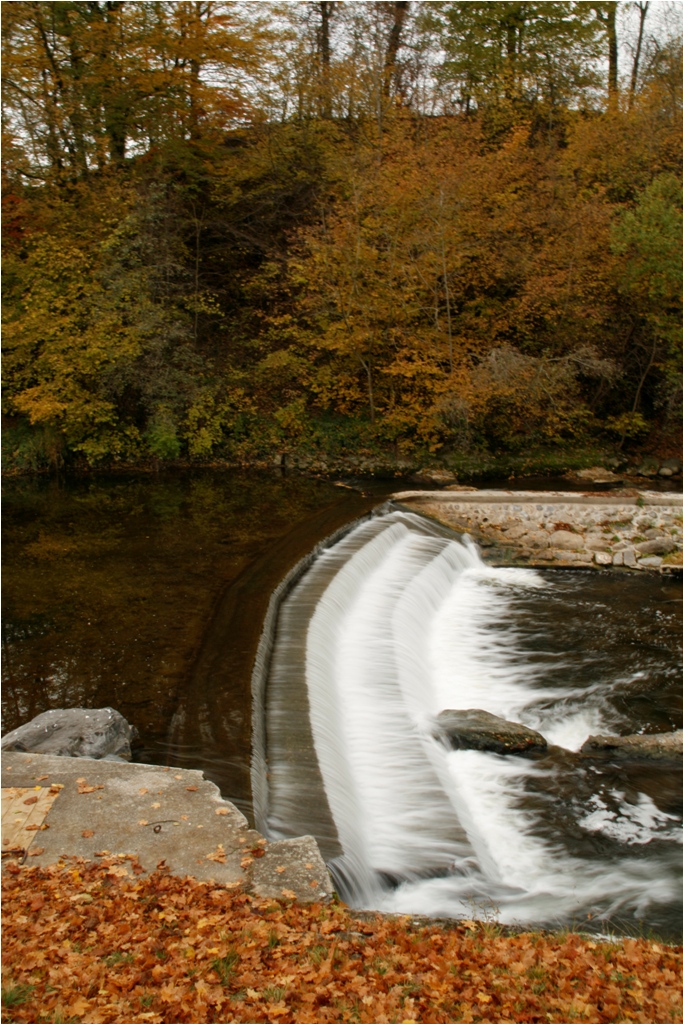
(101, 943)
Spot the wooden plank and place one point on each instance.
(21, 809)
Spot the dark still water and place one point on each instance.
(148, 595)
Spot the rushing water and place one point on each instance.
(399, 621)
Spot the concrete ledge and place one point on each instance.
(155, 815)
(474, 497)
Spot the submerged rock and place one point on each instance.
(597, 475)
(656, 745)
(435, 476)
(480, 730)
(670, 467)
(74, 732)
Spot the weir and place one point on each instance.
(379, 632)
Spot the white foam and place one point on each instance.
(635, 824)
(409, 625)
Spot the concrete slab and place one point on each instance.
(169, 816)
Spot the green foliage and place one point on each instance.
(649, 243)
(161, 435)
(528, 56)
(629, 425)
(226, 966)
(650, 240)
(16, 995)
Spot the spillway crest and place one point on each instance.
(391, 625)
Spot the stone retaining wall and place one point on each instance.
(632, 531)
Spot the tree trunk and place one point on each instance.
(116, 103)
(607, 16)
(400, 9)
(325, 54)
(371, 398)
(642, 7)
(325, 15)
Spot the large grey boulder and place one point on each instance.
(480, 730)
(74, 732)
(660, 745)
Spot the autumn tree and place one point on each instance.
(227, 225)
(87, 84)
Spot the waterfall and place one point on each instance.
(392, 624)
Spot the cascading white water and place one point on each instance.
(408, 622)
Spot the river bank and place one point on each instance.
(364, 458)
(637, 530)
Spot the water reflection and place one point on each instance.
(147, 594)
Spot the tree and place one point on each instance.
(642, 14)
(606, 14)
(649, 242)
(88, 84)
(520, 53)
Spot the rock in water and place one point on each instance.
(597, 475)
(435, 476)
(74, 732)
(668, 745)
(670, 467)
(480, 730)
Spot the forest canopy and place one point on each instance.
(235, 229)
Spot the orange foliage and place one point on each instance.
(93, 942)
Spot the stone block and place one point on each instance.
(538, 539)
(567, 541)
(658, 546)
(597, 543)
(292, 869)
(516, 531)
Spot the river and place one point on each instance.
(149, 595)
